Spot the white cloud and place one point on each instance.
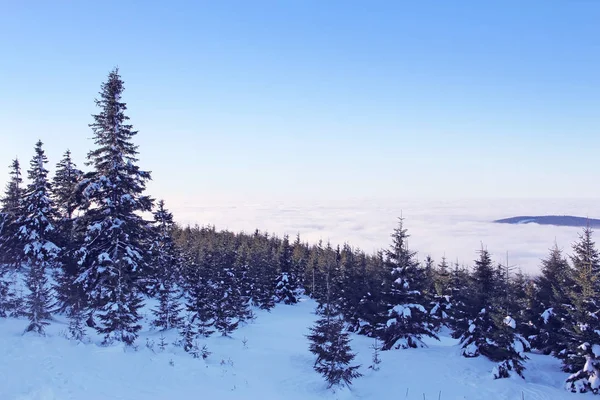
(455, 228)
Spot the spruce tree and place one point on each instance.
(245, 281)
(549, 333)
(491, 332)
(404, 295)
(441, 297)
(286, 284)
(188, 334)
(460, 293)
(331, 344)
(200, 295)
(37, 234)
(166, 262)
(372, 308)
(11, 209)
(263, 264)
(11, 201)
(582, 328)
(228, 301)
(300, 255)
(354, 285)
(5, 290)
(64, 185)
(115, 237)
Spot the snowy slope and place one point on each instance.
(275, 364)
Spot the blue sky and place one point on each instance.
(310, 99)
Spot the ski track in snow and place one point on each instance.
(276, 364)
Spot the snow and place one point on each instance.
(596, 350)
(547, 314)
(509, 321)
(274, 364)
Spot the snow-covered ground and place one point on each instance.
(274, 364)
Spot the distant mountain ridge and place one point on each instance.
(557, 220)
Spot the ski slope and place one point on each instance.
(274, 364)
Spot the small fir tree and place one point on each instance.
(331, 344)
(166, 266)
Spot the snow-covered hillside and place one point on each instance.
(273, 364)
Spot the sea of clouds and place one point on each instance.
(454, 228)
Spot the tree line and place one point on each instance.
(86, 250)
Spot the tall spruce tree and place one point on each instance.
(111, 257)
(582, 355)
(404, 296)
(37, 233)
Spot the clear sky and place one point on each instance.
(317, 99)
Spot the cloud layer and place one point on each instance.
(455, 228)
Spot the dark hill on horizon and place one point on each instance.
(557, 220)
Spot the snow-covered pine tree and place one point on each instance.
(460, 288)
(331, 344)
(166, 262)
(199, 295)
(11, 201)
(188, 334)
(354, 285)
(286, 285)
(111, 257)
(16, 296)
(490, 332)
(551, 303)
(582, 327)
(441, 296)
(314, 276)
(11, 210)
(331, 294)
(245, 281)
(227, 315)
(263, 269)
(300, 255)
(68, 294)
(230, 308)
(64, 185)
(429, 279)
(372, 309)
(5, 301)
(37, 234)
(403, 293)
